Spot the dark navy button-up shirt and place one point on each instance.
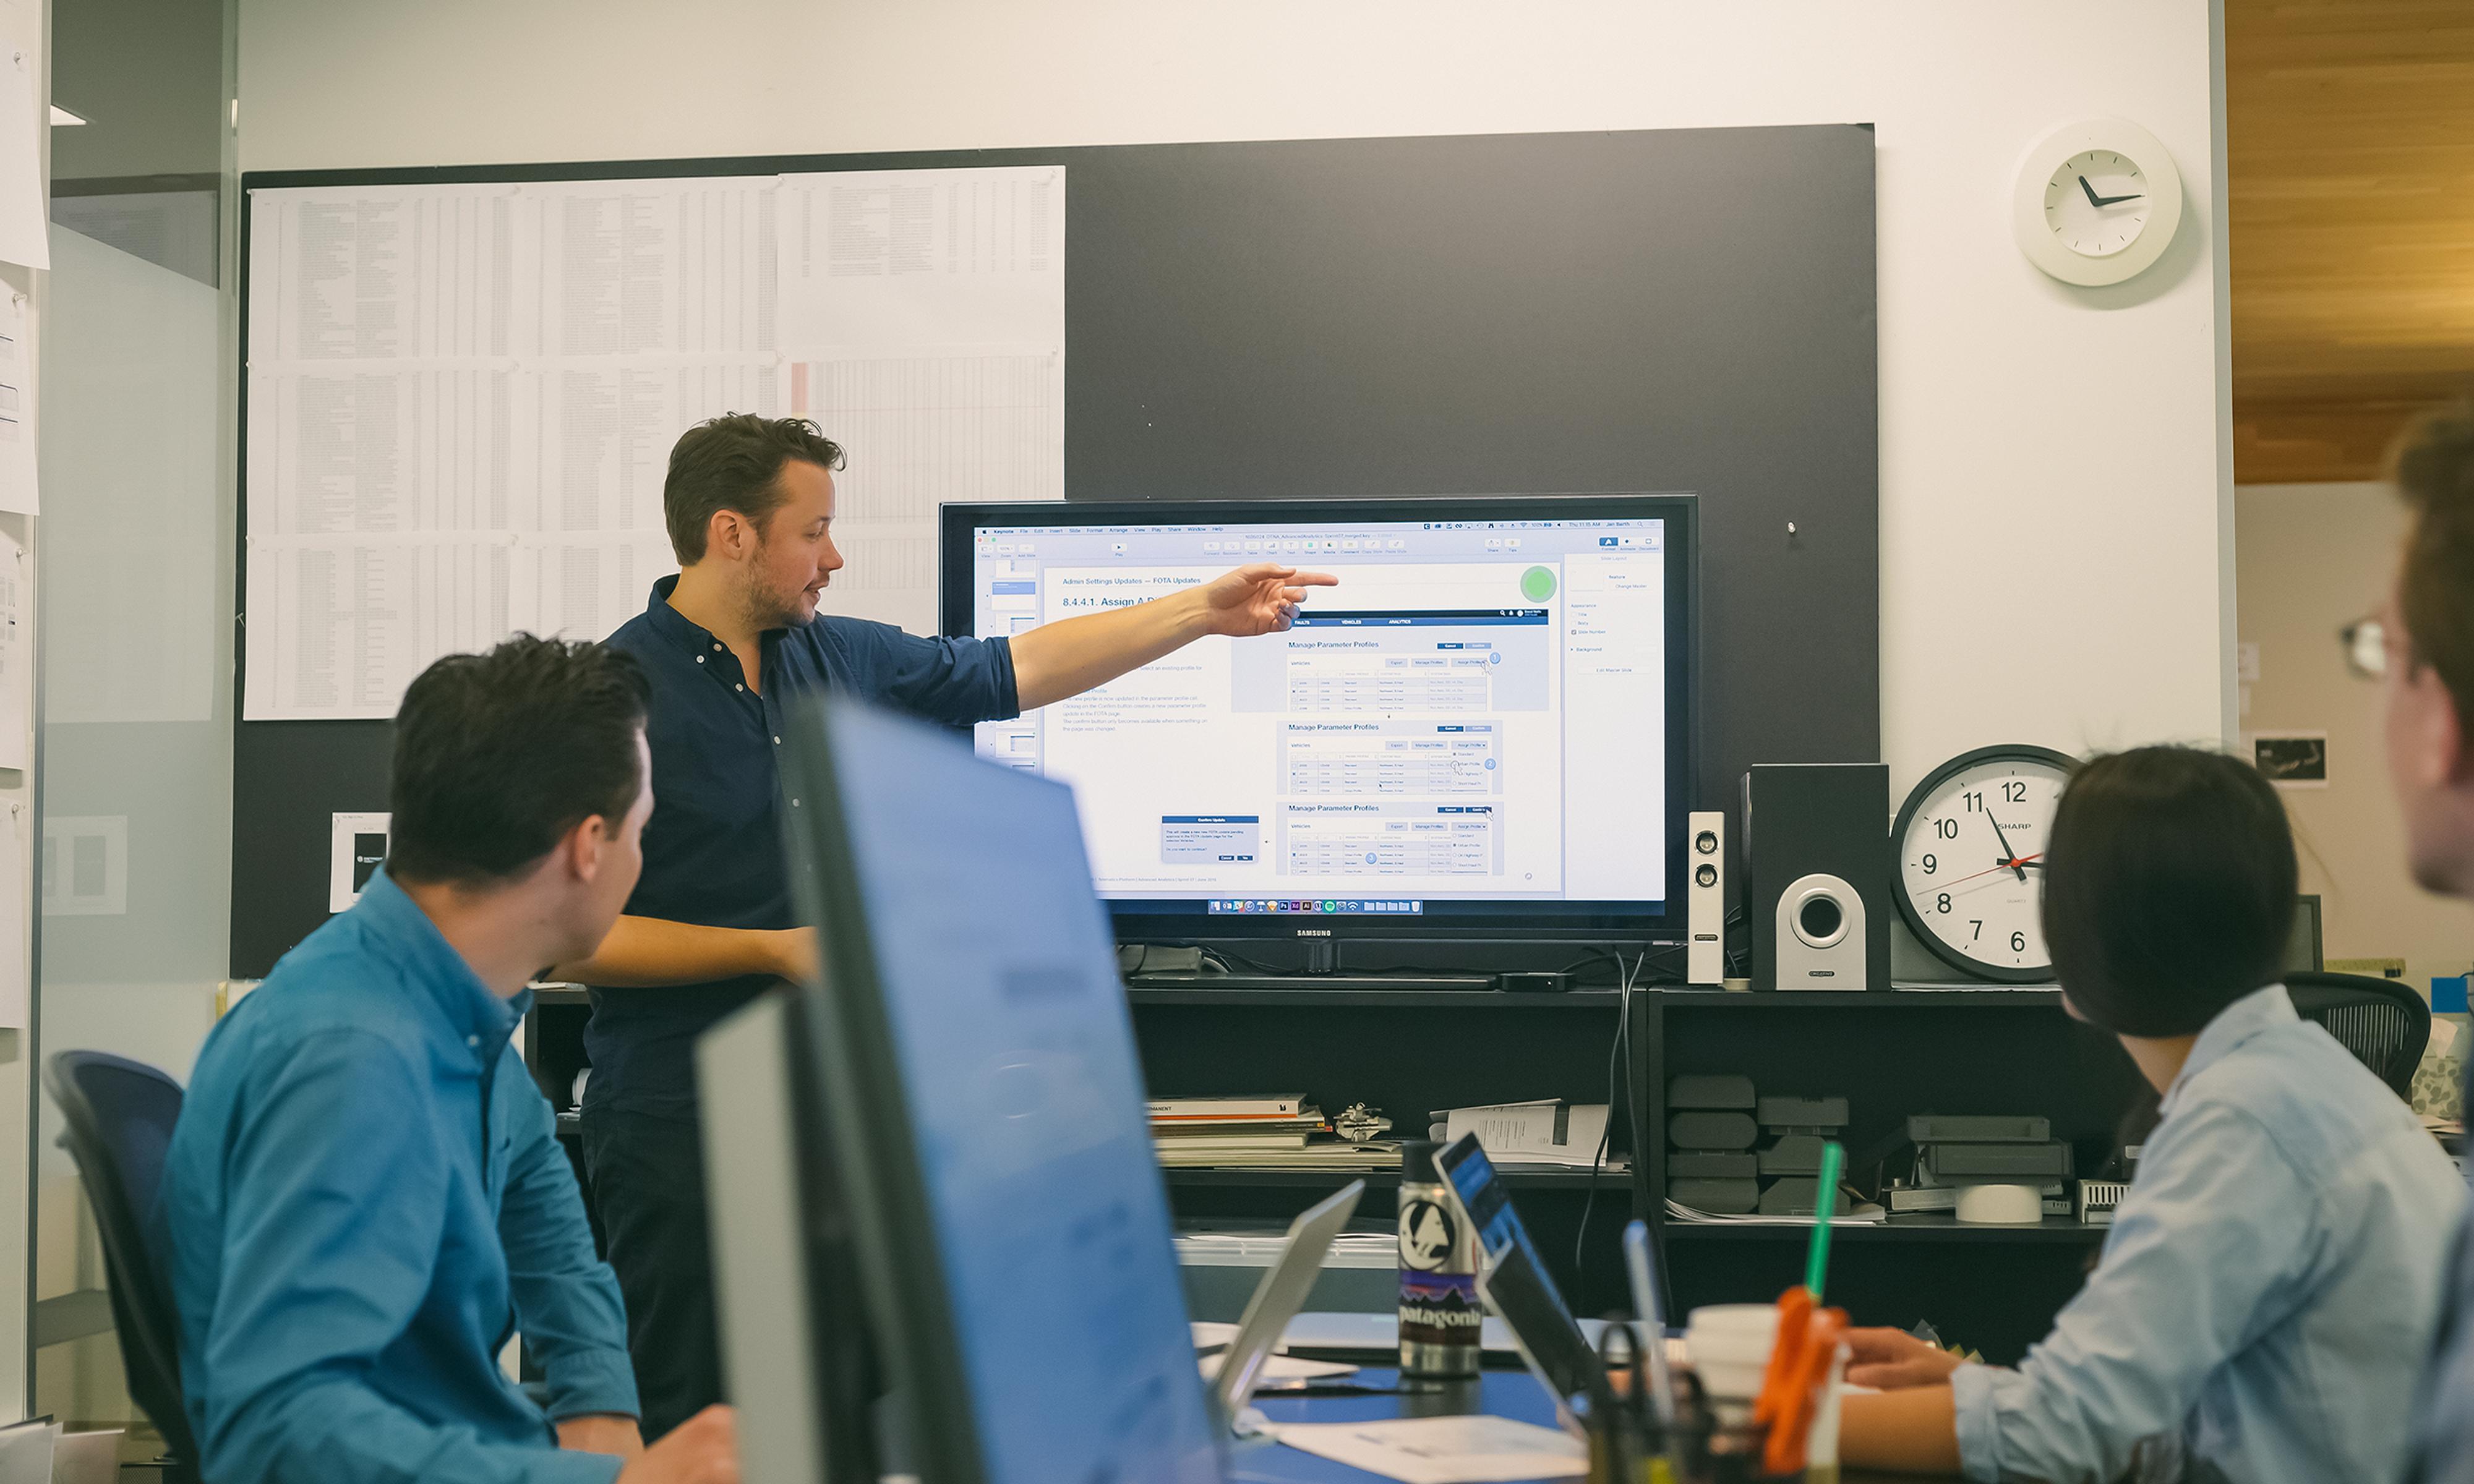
(363, 1198)
(713, 849)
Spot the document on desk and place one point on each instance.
(923, 324)
(1444, 1450)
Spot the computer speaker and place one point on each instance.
(1705, 899)
(1817, 879)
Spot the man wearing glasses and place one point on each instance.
(2422, 647)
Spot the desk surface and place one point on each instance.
(1513, 1394)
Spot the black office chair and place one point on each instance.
(2382, 1022)
(120, 1114)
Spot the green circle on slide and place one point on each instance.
(1538, 584)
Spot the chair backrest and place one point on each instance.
(2383, 1021)
(120, 1114)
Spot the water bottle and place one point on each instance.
(1439, 1309)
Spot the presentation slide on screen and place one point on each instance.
(1474, 712)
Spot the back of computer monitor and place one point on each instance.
(986, 1111)
(794, 1344)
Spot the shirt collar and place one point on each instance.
(681, 630)
(668, 622)
(2260, 1010)
(395, 923)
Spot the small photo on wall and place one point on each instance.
(2292, 759)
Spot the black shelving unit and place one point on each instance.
(1410, 1051)
(1406, 1052)
(1893, 1054)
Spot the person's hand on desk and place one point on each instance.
(703, 1449)
(1894, 1360)
(602, 1432)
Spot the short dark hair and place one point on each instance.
(498, 755)
(2433, 468)
(734, 462)
(2169, 883)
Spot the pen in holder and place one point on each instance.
(1629, 1445)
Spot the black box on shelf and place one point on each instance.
(1801, 1115)
(1795, 1154)
(1691, 1164)
(1719, 1130)
(1962, 1163)
(1718, 1197)
(1796, 1196)
(1977, 1128)
(1723, 1089)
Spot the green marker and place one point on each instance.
(1825, 1205)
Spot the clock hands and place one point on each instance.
(2010, 857)
(2007, 863)
(2094, 200)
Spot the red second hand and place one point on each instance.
(2008, 865)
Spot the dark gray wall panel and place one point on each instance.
(1689, 309)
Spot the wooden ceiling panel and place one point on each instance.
(2349, 143)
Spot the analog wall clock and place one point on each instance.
(2097, 202)
(1971, 860)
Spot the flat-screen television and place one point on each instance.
(1483, 732)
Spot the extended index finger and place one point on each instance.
(1313, 580)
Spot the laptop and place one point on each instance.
(1513, 1280)
(1278, 1297)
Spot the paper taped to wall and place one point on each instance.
(462, 398)
(356, 850)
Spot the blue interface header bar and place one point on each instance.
(1410, 619)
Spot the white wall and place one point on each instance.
(2312, 559)
(2055, 466)
(23, 27)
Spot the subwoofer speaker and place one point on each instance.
(1817, 879)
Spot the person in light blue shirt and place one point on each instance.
(364, 1198)
(2269, 1287)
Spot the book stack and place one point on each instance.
(1954, 1152)
(1269, 1131)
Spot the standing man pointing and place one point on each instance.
(749, 503)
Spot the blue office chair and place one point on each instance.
(2383, 1021)
(120, 1114)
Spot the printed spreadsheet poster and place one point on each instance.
(462, 398)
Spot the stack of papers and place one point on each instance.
(1549, 1130)
(1444, 1450)
(1866, 1214)
(1272, 1131)
(1263, 1248)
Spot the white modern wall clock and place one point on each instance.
(2097, 202)
(1971, 860)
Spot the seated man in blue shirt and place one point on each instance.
(2270, 1287)
(727, 644)
(364, 1198)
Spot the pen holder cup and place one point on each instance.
(1701, 1448)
